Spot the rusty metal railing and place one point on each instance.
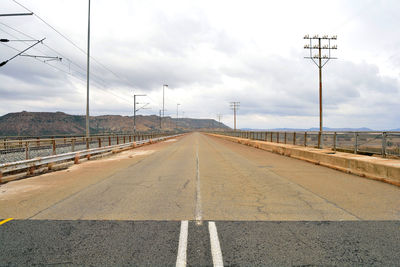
(34, 163)
(17, 150)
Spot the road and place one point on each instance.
(199, 200)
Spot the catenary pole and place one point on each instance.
(234, 106)
(87, 75)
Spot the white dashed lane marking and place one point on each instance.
(182, 248)
(198, 212)
(215, 246)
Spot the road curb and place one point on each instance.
(380, 169)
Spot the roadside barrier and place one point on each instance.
(32, 164)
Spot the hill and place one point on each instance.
(363, 129)
(59, 123)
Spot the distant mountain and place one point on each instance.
(363, 129)
(59, 123)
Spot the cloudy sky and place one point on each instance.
(209, 53)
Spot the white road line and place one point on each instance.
(198, 211)
(182, 248)
(215, 247)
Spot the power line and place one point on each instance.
(53, 50)
(76, 77)
(71, 42)
(98, 80)
(29, 36)
(75, 45)
(37, 16)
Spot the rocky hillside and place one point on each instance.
(58, 123)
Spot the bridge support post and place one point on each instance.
(54, 146)
(334, 141)
(319, 139)
(355, 143)
(26, 150)
(305, 138)
(384, 144)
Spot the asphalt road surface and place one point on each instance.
(199, 200)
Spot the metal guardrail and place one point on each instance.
(17, 150)
(40, 161)
(369, 143)
(51, 136)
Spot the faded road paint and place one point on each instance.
(6, 220)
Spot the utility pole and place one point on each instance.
(219, 116)
(177, 106)
(320, 43)
(163, 99)
(136, 110)
(235, 106)
(87, 76)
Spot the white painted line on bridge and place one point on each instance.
(182, 248)
(215, 247)
(198, 212)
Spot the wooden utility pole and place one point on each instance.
(322, 60)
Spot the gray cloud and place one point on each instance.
(206, 67)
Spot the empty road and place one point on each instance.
(199, 200)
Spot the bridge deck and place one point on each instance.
(268, 209)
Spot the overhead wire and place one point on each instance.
(101, 84)
(52, 49)
(75, 45)
(366, 6)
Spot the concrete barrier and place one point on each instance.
(385, 170)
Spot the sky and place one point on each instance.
(210, 53)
